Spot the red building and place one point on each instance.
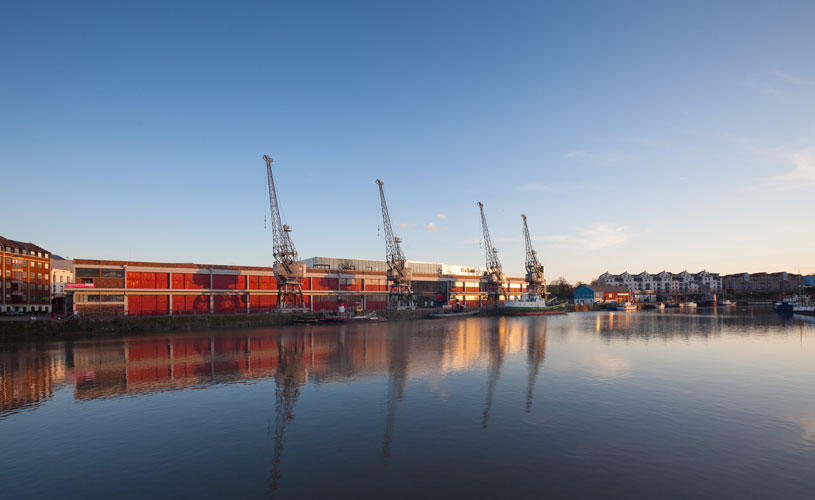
(25, 282)
(106, 287)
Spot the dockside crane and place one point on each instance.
(535, 281)
(287, 270)
(400, 294)
(494, 273)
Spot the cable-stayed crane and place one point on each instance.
(535, 282)
(400, 294)
(287, 270)
(494, 272)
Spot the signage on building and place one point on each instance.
(78, 285)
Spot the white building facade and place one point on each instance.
(665, 282)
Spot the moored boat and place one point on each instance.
(626, 306)
(458, 314)
(530, 304)
(725, 303)
(688, 305)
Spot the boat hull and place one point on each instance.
(452, 315)
(534, 311)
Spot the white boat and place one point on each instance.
(626, 306)
(530, 304)
(661, 306)
(726, 303)
(688, 305)
(803, 304)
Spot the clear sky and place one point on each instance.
(634, 135)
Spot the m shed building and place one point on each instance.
(592, 294)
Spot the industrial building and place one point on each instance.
(109, 288)
(25, 281)
(595, 294)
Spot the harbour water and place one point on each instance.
(702, 404)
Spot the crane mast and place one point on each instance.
(287, 270)
(535, 282)
(400, 294)
(494, 273)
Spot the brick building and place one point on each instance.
(107, 287)
(763, 282)
(25, 282)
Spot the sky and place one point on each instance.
(634, 135)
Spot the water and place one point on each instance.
(594, 405)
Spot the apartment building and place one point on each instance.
(26, 277)
(665, 282)
(764, 282)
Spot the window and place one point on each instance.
(113, 273)
(8, 273)
(32, 298)
(8, 260)
(39, 276)
(46, 265)
(25, 275)
(32, 263)
(39, 265)
(25, 286)
(87, 272)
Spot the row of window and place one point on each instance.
(34, 286)
(24, 275)
(10, 261)
(33, 298)
(27, 252)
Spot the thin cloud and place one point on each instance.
(432, 227)
(762, 88)
(402, 226)
(802, 175)
(441, 216)
(586, 157)
(794, 79)
(534, 187)
(594, 237)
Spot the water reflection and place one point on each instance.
(425, 394)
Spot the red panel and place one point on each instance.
(258, 303)
(227, 282)
(324, 283)
(230, 304)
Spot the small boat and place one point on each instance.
(726, 303)
(688, 305)
(803, 304)
(364, 318)
(454, 314)
(626, 306)
(785, 305)
(671, 305)
(530, 304)
(661, 306)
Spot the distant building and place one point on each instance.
(25, 282)
(665, 282)
(809, 280)
(62, 272)
(763, 282)
(593, 294)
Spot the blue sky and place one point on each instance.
(633, 135)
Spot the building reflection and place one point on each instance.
(28, 376)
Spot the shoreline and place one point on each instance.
(47, 329)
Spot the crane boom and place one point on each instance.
(400, 294)
(287, 270)
(536, 284)
(493, 264)
(494, 273)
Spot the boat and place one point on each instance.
(626, 306)
(688, 305)
(784, 305)
(530, 304)
(353, 318)
(661, 306)
(802, 304)
(456, 314)
(726, 303)
(671, 305)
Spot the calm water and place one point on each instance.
(595, 405)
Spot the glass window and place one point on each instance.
(87, 272)
(46, 265)
(113, 273)
(39, 265)
(25, 275)
(113, 298)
